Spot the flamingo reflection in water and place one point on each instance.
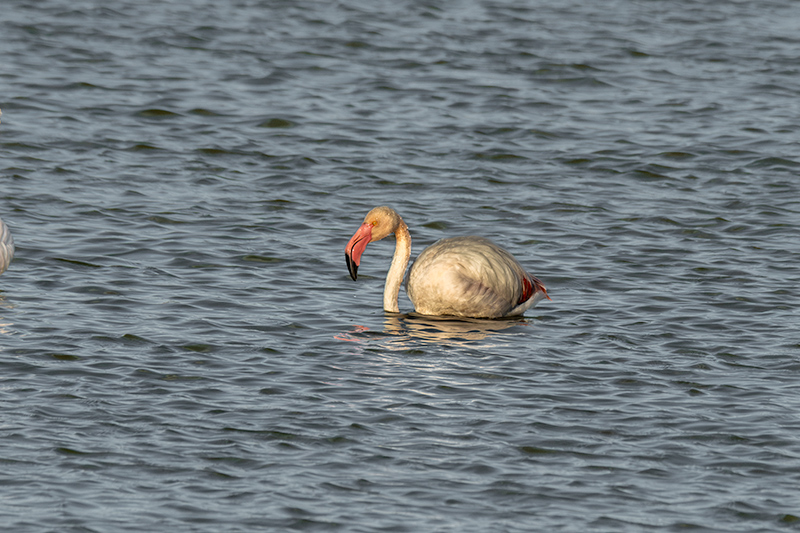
(401, 331)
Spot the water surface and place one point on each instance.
(182, 349)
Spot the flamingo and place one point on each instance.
(6, 244)
(6, 247)
(459, 276)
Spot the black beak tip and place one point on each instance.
(352, 267)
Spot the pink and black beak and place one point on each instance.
(356, 247)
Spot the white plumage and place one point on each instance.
(459, 276)
(6, 247)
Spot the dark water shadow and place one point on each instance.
(401, 331)
(446, 328)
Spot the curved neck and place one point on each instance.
(402, 252)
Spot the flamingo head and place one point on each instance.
(379, 223)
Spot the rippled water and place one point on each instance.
(182, 349)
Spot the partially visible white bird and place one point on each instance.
(459, 276)
(6, 247)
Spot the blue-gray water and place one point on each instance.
(182, 349)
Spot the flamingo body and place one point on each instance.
(459, 276)
(6, 247)
(470, 276)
